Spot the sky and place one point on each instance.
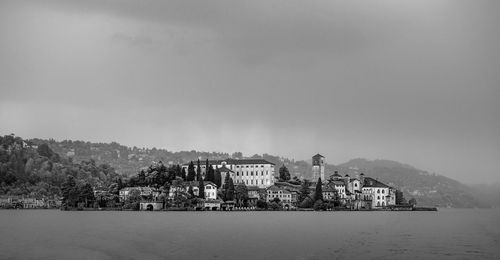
(412, 81)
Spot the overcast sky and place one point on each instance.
(412, 81)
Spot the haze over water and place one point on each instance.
(53, 234)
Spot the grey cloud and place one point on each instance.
(415, 81)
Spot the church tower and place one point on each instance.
(318, 167)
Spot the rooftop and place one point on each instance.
(235, 161)
(372, 183)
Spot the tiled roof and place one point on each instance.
(337, 183)
(234, 161)
(275, 188)
(318, 156)
(370, 182)
(138, 188)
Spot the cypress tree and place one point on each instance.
(201, 189)
(318, 195)
(190, 191)
(230, 189)
(210, 175)
(191, 173)
(198, 170)
(217, 177)
(206, 169)
(183, 174)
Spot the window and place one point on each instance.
(355, 185)
(252, 182)
(378, 191)
(251, 173)
(262, 182)
(383, 191)
(237, 173)
(378, 197)
(262, 173)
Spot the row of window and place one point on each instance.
(251, 173)
(251, 182)
(251, 166)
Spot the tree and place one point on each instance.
(217, 177)
(86, 194)
(191, 172)
(183, 174)
(210, 175)
(412, 202)
(400, 200)
(179, 192)
(275, 206)
(201, 188)
(133, 200)
(241, 194)
(229, 190)
(318, 195)
(206, 168)
(69, 192)
(319, 205)
(198, 170)
(304, 191)
(261, 204)
(284, 174)
(191, 191)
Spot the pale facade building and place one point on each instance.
(252, 172)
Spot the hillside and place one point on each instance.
(429, 189)
(28, 169)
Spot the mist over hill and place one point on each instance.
(429, 189)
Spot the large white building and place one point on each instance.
(253, 172)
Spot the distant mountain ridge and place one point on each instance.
(429, 189)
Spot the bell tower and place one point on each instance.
(318, 167)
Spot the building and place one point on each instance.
(253, 194)
(378, 192)
(333, 189)
(210, 189)
(284, 195)
(251, 172)
(151, 206)
(318, 167)
(145, 192)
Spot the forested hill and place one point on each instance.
(29, 169)
(429, 189)
(129, 160)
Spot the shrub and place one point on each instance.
(319, 205)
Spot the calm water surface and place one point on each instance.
(53, 234)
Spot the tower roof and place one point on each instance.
(318, 156)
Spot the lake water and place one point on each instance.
(53, 234)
